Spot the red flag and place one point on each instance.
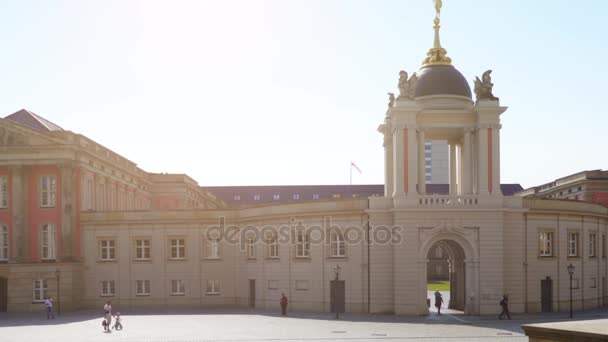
(355, 166)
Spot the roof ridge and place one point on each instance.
(43, 121)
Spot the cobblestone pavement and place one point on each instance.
(258, 325)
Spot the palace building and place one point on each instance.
(84, 225)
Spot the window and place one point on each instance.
(47, 242)
(302, 245)
(336, 196)
(273, 284)
(572, 244)
(48, 187)
(276, 197)
(592, 245)
(178, 287)
(250, 248)
(213, 249)
(237, 197)
(3, 192)
(178, 248)
(256, 197)
(337, 245)
(301, 285)
(4, 242)
(296, 196)
(39, 290)
(546, 244)
(142, 249)
(89, 194)
(108, 288)
(142, 287)
(107, 250)
(315, 196)
(213, 287)
(273, 246)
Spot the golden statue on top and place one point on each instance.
(437, 55)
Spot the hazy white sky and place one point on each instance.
(289, 92)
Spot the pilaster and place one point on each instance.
(68, 211)
(20, 239)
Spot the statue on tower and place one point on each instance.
(483, 87)
(407, 87)
(391, 100)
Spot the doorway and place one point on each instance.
(252, 293)
(3, 294)
(546, 294)
(446, 276)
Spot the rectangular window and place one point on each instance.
(107, 250)
(237, 197)
(39, 290)
(212, 249)
(213, 287)
(48, 188)
(142, 287)
(302, 245)
(301, 285)
(315, 196)
(546, 244)
(142, 249)
(48, 242)
(3, 191)
(108, 288)
(4, 243)
(337, 245)
(273, 247)
(178, 249)
(178, 287)
(256, 197)
(592, 245)
(296, 196)
(572, 244)
(276, 197)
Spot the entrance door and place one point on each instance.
(546, 294)
(3, 294)
(603, 291)
(252, 293)
(337, 297)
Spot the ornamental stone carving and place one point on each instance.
(483, 87)
(407, 87)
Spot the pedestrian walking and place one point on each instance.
(107, 313)
(504, 303)
(49, 308)
(283, 304)
(438, 301)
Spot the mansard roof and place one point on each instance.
(29, 119)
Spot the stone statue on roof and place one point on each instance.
(407, 87)
(483, 87)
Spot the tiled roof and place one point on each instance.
(249, 195)
(26, 118)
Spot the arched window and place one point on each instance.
(337, 244)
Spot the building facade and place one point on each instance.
(590, 186)
(85, 225)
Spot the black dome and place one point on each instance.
(441, 80)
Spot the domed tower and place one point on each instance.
(435, 103)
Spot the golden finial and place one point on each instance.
(437, 55)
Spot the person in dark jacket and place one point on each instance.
(283, 304)
(438, 301)
(504, 303)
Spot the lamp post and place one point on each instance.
(570, 272)
(337, 274)
(57, 275)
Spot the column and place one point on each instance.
(482, 161)
(399, 176)
(453, 188)
(459, 166)
(68, 208)
(421, 164)
(466, 163)
(473, 162)
(412, 159)
(20, 226)
(388, 164)
(496, 160)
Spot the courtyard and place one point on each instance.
(260, 325)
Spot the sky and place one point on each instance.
(280, 92)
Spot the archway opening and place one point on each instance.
(446, 274)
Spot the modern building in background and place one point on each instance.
(436, 162)
(84, 225)
(590, 186)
